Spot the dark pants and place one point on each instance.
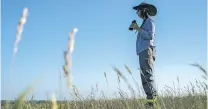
(146, 60)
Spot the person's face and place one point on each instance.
(139, 14)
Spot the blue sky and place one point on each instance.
(103, 41)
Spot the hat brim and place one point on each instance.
(151, 8)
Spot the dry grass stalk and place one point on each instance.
(105, 75)
(202, 69)
(106, 78)
(54, 103)
(75, 90)
(125, 79)
(76, 93)
(21, 98)
(66, 66)
(20, 29)
(135, 82)
(128, 69)
(60, 85)
(66, 70)
(72, 40)
(67, 55)
(69, 82)
(67, 60)
(118, 74)
(18, 38)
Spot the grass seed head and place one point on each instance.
(66, 70)
(105, 75)
(69, 81)
(128, 69)
(75, 90)
(54, 103)
(20, 29)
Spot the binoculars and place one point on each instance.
(134, 21)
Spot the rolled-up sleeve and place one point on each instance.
(148, 31)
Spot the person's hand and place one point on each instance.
(135, 26)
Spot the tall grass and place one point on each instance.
(19, 31)
(193, 96)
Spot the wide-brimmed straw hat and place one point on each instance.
(152, 10)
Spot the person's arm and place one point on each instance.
(149, 31)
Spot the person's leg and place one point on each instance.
(146, 67)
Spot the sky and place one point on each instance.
(102, 41)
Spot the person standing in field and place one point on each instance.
(145, 49)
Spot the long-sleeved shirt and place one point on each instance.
(145, 38)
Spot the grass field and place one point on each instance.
(188, 102)
(193, 96)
